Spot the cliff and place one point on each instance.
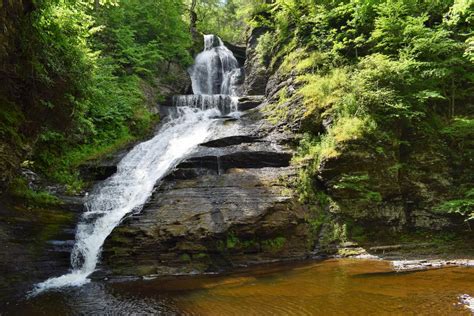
(245, 197)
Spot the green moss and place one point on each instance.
(349, 252)
(119, 238)
(185, 257)
(201, 256)
(278, 112)
(145, 270)
(354, 181)
(273, 245)
(232, 241)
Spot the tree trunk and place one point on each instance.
(193, 18)
(96, 4)
(453, 89)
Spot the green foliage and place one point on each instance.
(273, 245)
(277, 112)
(463, 206)
(19, 189)
(461, 129)
(265, 47)
(368, 71)
(76, 76)
(234, 243)
(228, 19)
(141, 34)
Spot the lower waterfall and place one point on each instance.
(147, 163)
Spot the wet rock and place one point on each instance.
(256, 159)
(227, 205)
(36, 245)
(467, 301)
(418, 265)
(250, 102)
(209, 223)
(97, 172)
(231, 140)
(240, 52)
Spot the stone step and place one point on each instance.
(231, 140)
(249, 102)
(242, 159)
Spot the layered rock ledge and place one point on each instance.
(226, 205)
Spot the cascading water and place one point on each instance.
(215, 82)
(215, 70)
(216, 78)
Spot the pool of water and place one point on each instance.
(332, 287)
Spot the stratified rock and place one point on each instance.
(228, 204)
(240, 52)
(250, 102)
(249, 160)
(231, 140)
(97, 172)
(255, 69)
(211, 222)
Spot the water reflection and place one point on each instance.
(331, 287)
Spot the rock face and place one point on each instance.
(239, 52)
(227, 205)
(255, 69)
(36, 244)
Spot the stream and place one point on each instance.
(332, 287)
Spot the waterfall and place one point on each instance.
(215, 83)
(215, 71)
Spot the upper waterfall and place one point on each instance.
(216, 70)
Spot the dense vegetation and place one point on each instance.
(78, 79)
(378, 77)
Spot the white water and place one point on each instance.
(215, 70)
(146, 164)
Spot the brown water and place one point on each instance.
(333, 287)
